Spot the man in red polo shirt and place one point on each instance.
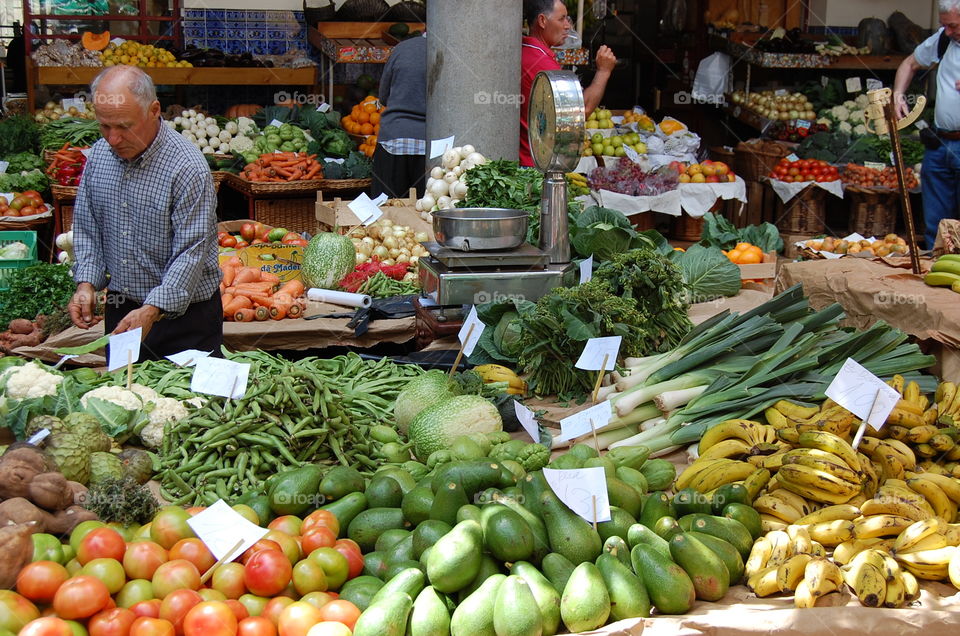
(549, 23)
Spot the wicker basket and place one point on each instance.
(803, 214)
(687, 228)
(219, 176)
(757, 158)
(643, 221)
(63, 193)
(286, 188)
(335, 185)
(297, 215)
(873, 212)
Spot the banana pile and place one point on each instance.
(578, 184)
(498, 373)
(929, 427)
(790, 561)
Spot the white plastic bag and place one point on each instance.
(712, 80)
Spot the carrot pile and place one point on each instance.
(249, 294)
(283, 166)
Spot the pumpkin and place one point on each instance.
(95, 41)
(242, 110)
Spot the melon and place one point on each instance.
(327, 258)
(421, 392)
(436, 426)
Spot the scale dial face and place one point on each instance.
(556, 121)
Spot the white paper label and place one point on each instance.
(39, 436)
(586, 269)
(600, 354)
(582, 490)
(188, 357)
(117, 41)
(863, 394)
(381, 199)
(792, 157)
(440, 146)
(893, 160)
(9, 196)
(527, 420)
(631, 154)
(365, 210)
(472, 326)
(874, 165)
(780, 91)
(873, 84)
(221, 528)
(216, 376)
(3, 166)
(582, 423)
(73, 102)
(338, 3)
(803, 123)
(124, 348)
(329, 160)
(854, 85)
(276, 123)
(824, 80)
(323, 107)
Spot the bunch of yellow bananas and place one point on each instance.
(824, 468)
(878, 580)
(791, 561)
(499, 373)
(578, 183)
(790, 419)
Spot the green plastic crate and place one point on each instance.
(8, 267)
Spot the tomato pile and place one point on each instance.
(871, 177)
(26, 203)
(804, 170)
(149, 583)
(258, 234)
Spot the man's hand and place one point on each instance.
(81, 306)
(900, 106)
(143, 318)
(606, 60)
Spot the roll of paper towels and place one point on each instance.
(338, 297)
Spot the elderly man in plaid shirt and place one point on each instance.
(145, 225)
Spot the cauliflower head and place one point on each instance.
(116, 394)
(857, 117)
(28, 381)
(840, 113)
(845, 127)
(146, 393)
(862, 101)
(241, 144)
(860, 130)
(165, 410)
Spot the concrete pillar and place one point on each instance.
(473, 74)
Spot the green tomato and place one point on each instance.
(269, 130)
(250, 157)
(274, 138)
(288, 146)
(47, 547)
(277, 234)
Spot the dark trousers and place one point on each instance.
(200, 327)
(396, 174)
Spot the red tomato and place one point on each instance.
(238, 608)
(47, 626)
(320, 518)
(228, 241)
(288, 545)
(145, 626)
(39, 581)
(318, 599)
(354, 559)
(81, 597)
(228, 579)
(319, 537)
(241, 245)
(133, 592)
(174, 575)
(113, 622)
(274, 607)
(262, 544)
(254, 604)
(288, 524)
(350, 543)
(257, 241)
(101, 543)
(248, 231)
(28, 210)
(110, 571)
(289, 237)
(299, 242)
(15, 611)
(297, 618)
(176, 605)
(256, 626)
(267, 572)
(150, 609)
(210, 618)
(195, 551)
(220, 235)
(342, 612)
(193, 510)
(142, 559)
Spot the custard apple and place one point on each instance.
(88, 427)
(39, 422)
(71, 454)
(104, 466)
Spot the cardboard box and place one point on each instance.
(765, 269)
(335, 213)
(282, 260)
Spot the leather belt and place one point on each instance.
(952, 135)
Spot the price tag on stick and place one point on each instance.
(600, 354)
(124, 348)
(863, 394)
(216, 376)
(586, 270)
(527, 420)
(583, 490)
(220, 528)
(365, 209)
(469, 336)
(188, 357)
(440, 146)
(585, 421)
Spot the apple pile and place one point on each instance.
(256, 233)
(600, 118)
(704, 172)
(613, 146)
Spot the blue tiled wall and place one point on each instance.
(235, 31)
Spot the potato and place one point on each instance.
(15, 478)
(64, 521)
(16, 551)
(20, 511)
(51, 491)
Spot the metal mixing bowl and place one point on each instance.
(473, 229)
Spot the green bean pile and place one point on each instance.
(309, 411)
(382, 286)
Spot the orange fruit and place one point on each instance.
(734, 255)
(750, 257)
(369, 107)
(743, 246)
(375, 118)
(366, 129)
(362, 117)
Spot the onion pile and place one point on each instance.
(444, 188)
(783, 107)
(389, 243)
(53, 111)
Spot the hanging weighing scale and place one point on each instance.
(453, 277)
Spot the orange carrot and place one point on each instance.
(295, 311)
(239, 302)
(280, 308)
(293, 287)
(269, 277)
(244, 315)
(234, 261)
(258, 288)
(247, 275)
(261, 313)
(229, 274)
(226, 299)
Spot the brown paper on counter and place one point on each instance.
(70, 337)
